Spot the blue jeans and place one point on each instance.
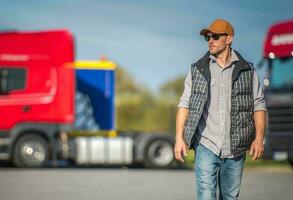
(211, 170)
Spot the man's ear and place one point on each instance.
(229, 39)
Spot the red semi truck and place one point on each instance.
(278, 86)
(55, 108)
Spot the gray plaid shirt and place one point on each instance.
(213, 130)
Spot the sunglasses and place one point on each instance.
(214, 36)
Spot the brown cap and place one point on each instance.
(219, 26)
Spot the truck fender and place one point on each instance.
(48, 131)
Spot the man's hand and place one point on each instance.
(256, 149)
(180, 150)
(257, 146)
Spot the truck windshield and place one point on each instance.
(281, 74)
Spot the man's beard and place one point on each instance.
(217, 52)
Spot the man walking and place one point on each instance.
(221, 115)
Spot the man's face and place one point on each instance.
(218, 42)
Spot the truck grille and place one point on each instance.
(280, 126)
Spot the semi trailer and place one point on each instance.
(53, 107)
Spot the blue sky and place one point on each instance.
(154, 40)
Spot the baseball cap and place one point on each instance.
(219, 26)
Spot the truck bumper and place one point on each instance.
(279, 146)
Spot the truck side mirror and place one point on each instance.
(260, 63)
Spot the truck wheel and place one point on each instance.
(159, 153)
(290, 162)
(31, 151)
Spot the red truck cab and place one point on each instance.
(36, 93)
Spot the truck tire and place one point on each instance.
(290, 162)
(158, 153)
(31, 151)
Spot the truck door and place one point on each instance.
(25, 90)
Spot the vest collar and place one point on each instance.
(240, 65)
(203, 66)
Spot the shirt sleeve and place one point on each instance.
(258, 96)
(184, 100)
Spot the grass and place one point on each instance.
(264, 163)
(189, 162)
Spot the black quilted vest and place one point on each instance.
(242, 130)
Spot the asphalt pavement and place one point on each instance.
(131, 184)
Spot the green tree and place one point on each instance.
(170, 94)
(173, 88)
(133, 104)
(139, 110)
